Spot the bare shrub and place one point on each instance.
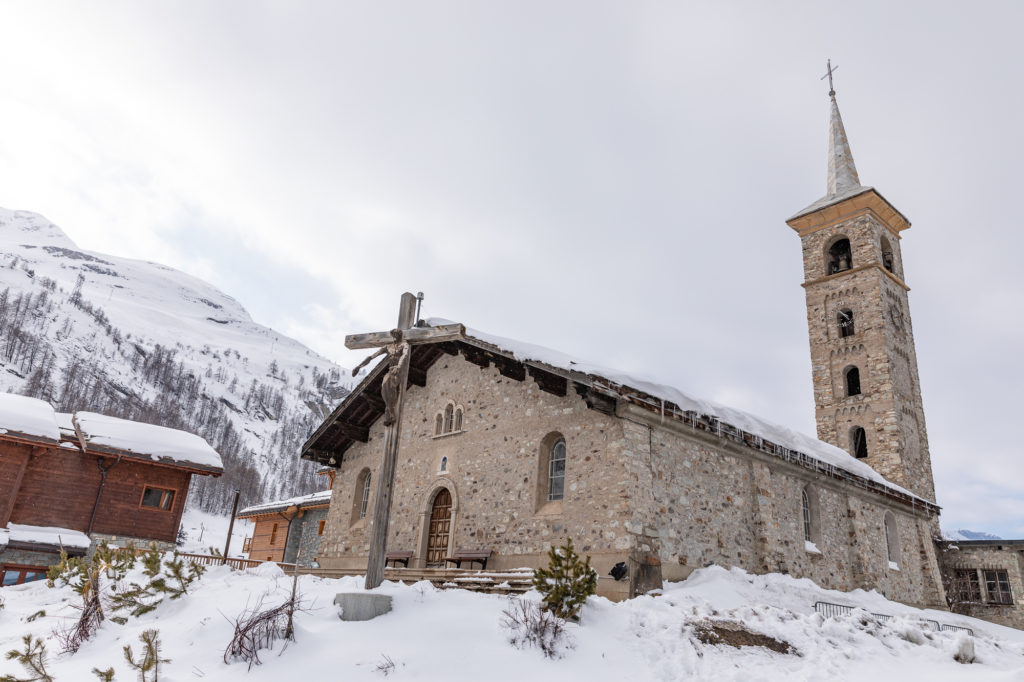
(527, 624)
(257, 628)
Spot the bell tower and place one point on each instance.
(867, 395)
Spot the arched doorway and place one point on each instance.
(440, 528)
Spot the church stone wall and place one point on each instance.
(713, 502)
(493, 474)
(659, 496)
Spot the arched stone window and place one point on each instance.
(852, 378)
(556, 471)
(449, 412)
(858, 443)
(810, 516)
(887, 260)
(844, 319)
(840, 257)
(438, 424)
(444, 464)
(892, 540)
(551, 460)
(361, 498)
(458, 419)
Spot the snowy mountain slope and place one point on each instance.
(961, 534)
(87, 331)
(457, 635)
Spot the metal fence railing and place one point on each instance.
(831, 610)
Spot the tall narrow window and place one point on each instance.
(844, 318)
(839, 257)
(892, 540)
(444, 464)
(807, 515)
(273, 534)
(966, 587)
(448, 417)
(556, 471)
(366, 496)
(858, 443)
(458, 419)
(438, 425)
(320, 528)
(852, 381)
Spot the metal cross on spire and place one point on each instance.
(831, 90)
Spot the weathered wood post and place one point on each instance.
(231, 528)
(392, 433)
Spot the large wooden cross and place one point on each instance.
(397, 344)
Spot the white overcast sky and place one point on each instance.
(608, 179)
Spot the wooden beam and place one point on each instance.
(549, 382)
(596, 400)
(418, 376)
(374, 400)
(510, 368)
(359, 433)
(416, 335)
(476, 356)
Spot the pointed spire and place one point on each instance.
(842, 173)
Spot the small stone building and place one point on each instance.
(985, 579)
(287, 531)
(72, 480)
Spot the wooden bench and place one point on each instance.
(478, 555)
(397, 557)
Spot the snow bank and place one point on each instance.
(147, 440)
(455, 635)
(782, 435)
(321, 497)
(48, 535)
(28, 416)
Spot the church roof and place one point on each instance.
(602, 388)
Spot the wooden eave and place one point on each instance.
(28, 439)
(868, 201)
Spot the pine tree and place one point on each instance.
(566, 583)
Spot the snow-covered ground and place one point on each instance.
(204, 530)
(457, 635)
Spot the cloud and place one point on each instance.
(609, 180)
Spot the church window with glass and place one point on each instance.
(556, 471)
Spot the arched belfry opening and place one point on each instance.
(852, 377)
(844, 320)
(840, 257)
(858, 442)
(887, 259)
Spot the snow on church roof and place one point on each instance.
(794, 440)
(35, 420)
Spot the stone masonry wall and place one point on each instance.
(656, 495)
(493, 474)
(308, 544)
(718, 503)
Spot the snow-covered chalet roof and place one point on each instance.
(28, 419)
(148, 441)
(36, 421)
(73, 541)
(317, 499)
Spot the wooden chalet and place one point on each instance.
(72, 480)
(287, 531)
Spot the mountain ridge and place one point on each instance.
(141, 340)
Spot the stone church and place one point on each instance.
(510, 448)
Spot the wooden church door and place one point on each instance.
(440, 528)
